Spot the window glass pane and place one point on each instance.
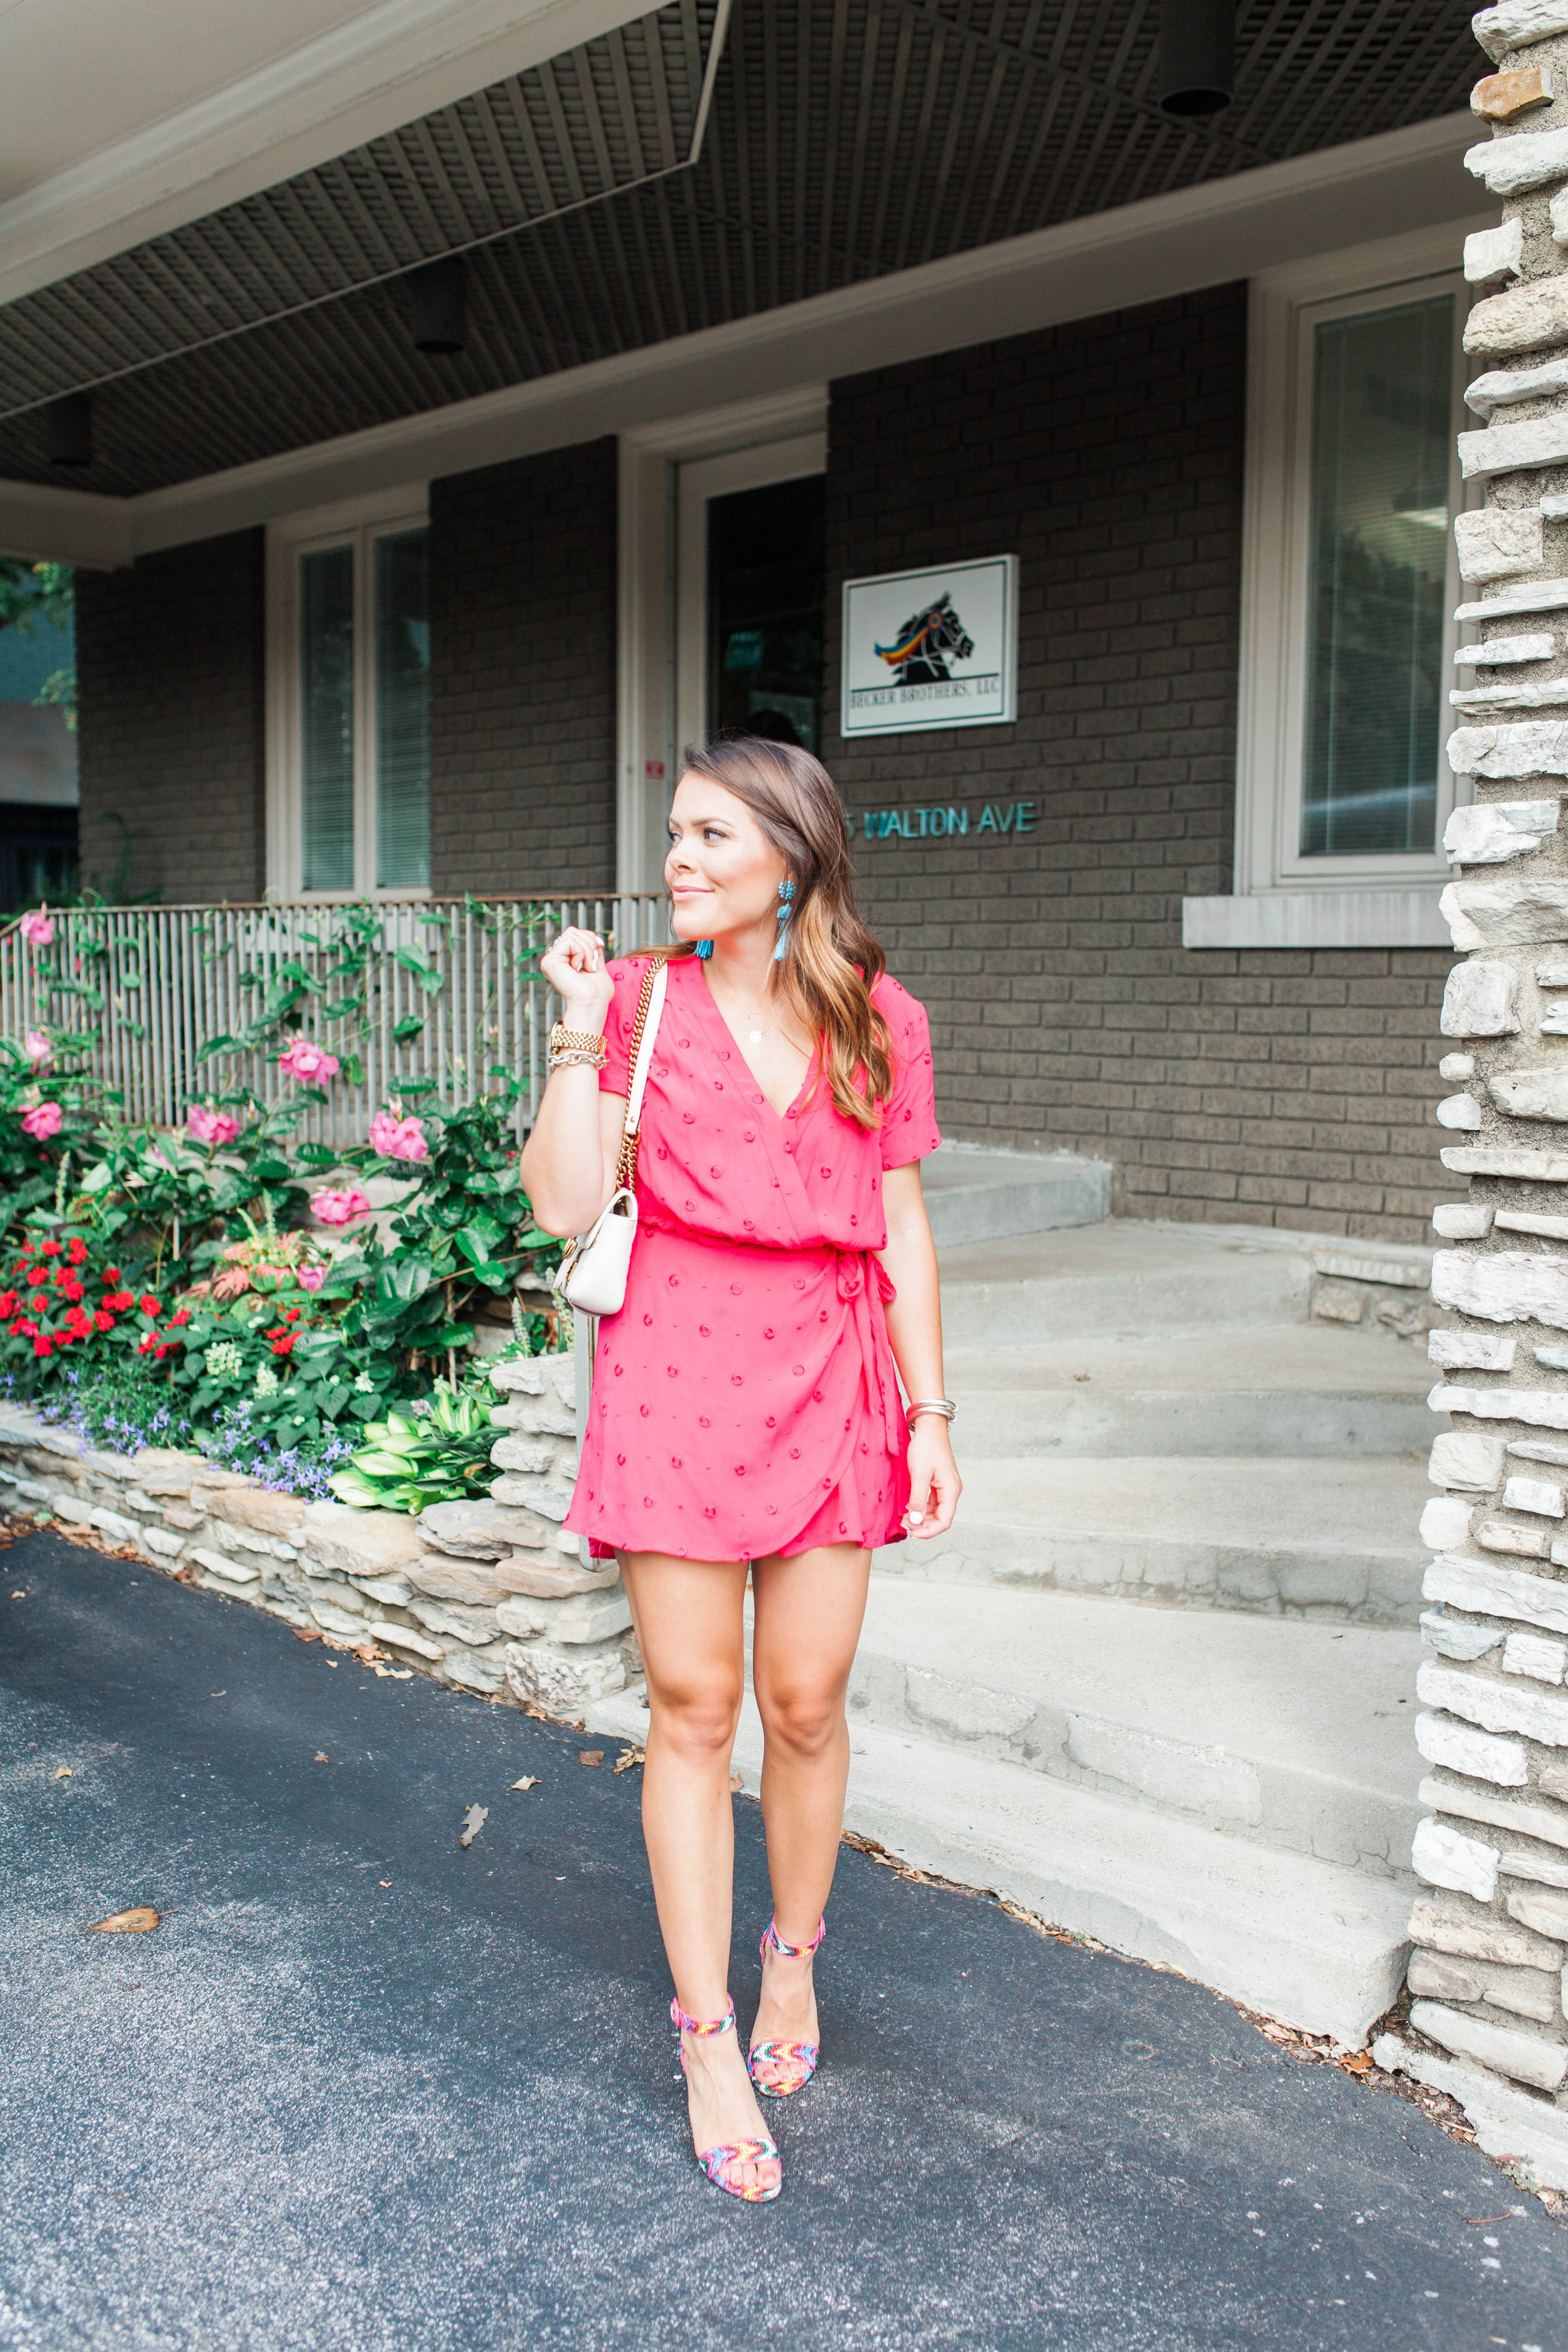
(327, 716)
(764, 611)
(402, 709)
(1380, 451)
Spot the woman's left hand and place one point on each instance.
(935, 1484)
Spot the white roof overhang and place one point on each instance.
(122, 123)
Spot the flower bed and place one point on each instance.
(316, 1315)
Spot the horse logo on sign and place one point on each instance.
(928, 640)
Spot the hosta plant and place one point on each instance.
(436, 1451)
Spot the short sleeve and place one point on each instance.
(909, 1129)
(615, 1077)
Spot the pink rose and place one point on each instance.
(311, 1277)
(398, 1139)
(37, 1049)
(338, 1208)
(43, 1120)
(213, 1127)
(38, 930)
(311, 1064)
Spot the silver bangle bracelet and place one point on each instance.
(944, 1406)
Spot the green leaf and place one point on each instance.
(411, 1027)
(414, 1085)
(215, 1045)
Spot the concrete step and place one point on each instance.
(1297, 1388)
(975, 1194)
(1281, 1536)
(1294, 1735)
(1122, 1280)
(1322, 1946)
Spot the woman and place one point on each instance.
(745, 1416)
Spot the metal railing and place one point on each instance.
(451, 992)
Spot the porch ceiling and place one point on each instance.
(848, 139)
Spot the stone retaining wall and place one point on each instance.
(489, 1596)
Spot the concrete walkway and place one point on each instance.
(317, 2110)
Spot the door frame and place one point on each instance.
(667, 474)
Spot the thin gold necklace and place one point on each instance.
(755, 1036)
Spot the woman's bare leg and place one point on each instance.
(688, 1616)
(808, 1615)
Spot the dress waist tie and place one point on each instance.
(863, 1283)
(865, 1287)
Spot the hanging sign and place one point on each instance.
(934, 648)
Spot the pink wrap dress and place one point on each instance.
(745, 1399)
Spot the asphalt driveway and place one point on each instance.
(366, 2089)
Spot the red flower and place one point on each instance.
(66, 1285)
(36, 1274)
(42, 1346)
(77, 1252)
(160, 1353)
(148, 1344)
(111, 1274)
(51, 1249)
(291, 1314)
(284, 1346)
(184, 1315)
(105, 1322)
(121, 1300)
(7, 1302)
(17, 1327)
(148, 1305)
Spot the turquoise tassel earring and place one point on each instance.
(704, 948)
(786, 894)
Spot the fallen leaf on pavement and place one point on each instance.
(1358, 2062)
(18, 1596)
(391, 1673)
(737, 1786)
(528, 1782)
(629, 1756)
(320, 1757)
(383, 1882)
(306, 1634)
(138, 1922)
(65, 1773)
(590, 1755)
(474, 1821)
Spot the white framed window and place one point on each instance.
(1349, 582)
(349, 700)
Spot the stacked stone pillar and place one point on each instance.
(1490, 1926)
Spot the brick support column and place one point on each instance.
(1490, 1926)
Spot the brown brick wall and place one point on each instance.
(522, 642)
(1290, 1089)
(170, 667)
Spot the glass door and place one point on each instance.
(765, 592)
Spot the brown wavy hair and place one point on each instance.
(830, 961)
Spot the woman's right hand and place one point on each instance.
(575, 970)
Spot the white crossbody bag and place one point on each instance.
(591, 1275)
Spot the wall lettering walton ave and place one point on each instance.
(942, 824)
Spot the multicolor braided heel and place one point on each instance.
(717, 2161)
(800, 2055)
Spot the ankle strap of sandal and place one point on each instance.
(725, 2024)
(792, 1952)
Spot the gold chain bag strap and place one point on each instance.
(591, 1275)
